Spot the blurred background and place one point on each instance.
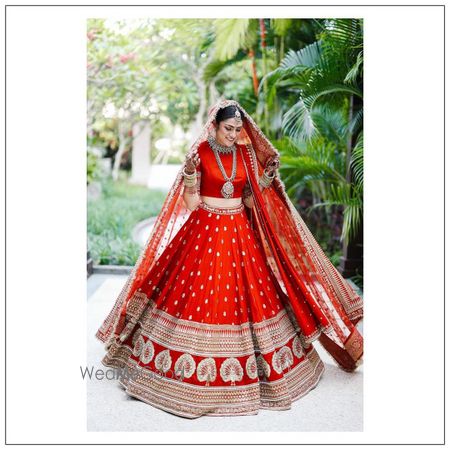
(150, 83)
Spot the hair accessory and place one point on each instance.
(237, 115)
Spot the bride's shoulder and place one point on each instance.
(202, 146)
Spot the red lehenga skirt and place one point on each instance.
(215, 334)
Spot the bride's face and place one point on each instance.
(227, 131)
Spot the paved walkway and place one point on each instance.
(335, 404)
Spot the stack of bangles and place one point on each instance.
(266, 180)
(190, 181)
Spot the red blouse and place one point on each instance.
(212, 180)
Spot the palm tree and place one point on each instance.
(233, 35)
(324, 83)
(248, 39)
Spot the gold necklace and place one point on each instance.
(227, 188)
(219, 147)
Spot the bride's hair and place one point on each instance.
(227, 113)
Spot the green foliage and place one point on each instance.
(358, 280)
(342, 194)
(326, 72)
(215, 70)
(323, 117)
(94, 171)
(309, 102)
(323, 234)
(144, 69)
(357, 161)
(112, 217)
(236, 82)
(235, 34)
(281, 26)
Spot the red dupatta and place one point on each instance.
(318, 298)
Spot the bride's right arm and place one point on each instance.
(191, 194)
(192, 178)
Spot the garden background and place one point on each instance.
(150, 83)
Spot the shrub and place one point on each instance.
(112, 218)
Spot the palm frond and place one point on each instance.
(232, 35)
(357, 160)
(351, 198)
(280, 26)
(354, 71)
(308, 56)
(356, 123)
(216, 66)
(297, 122)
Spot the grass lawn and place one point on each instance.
(112, 217)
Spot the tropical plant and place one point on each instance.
(323, 83)
(255, 44)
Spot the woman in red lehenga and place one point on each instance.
(220, 311)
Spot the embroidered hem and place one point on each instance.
(193, 401)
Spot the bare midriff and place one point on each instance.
(221, 202)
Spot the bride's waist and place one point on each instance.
(221, 202)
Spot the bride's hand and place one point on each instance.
(272, 165)
(192, 161)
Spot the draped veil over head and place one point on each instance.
(319, 300)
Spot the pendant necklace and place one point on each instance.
(228, 188)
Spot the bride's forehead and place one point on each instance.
(232, 121)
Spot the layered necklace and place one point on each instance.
(228, 188)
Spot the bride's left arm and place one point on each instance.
(263, 183)
(247, 196)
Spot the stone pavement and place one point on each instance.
(335, 404)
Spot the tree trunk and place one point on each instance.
(122, 147)
(251, 55)
(264, 58)
(213, 94)
(351, 263)
(197, 125)
(349, 141)
(140, 157)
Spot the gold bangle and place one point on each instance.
(189, 176)
(190, 183)
(189, 179)
(266, 180)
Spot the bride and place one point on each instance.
(222, 308)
